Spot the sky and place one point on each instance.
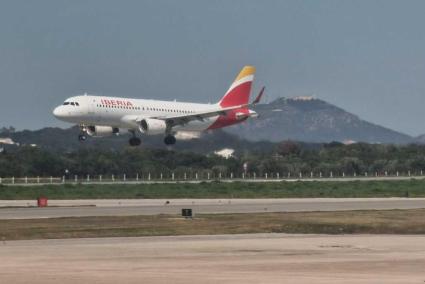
(367, 57)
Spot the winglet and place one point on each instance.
(258, 98)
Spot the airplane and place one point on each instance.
(99, 116)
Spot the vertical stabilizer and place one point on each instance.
(239, 91)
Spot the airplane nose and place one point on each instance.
(58, 112)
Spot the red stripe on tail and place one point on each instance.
(237, 96)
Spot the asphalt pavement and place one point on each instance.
(25, 209)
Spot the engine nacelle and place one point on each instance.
(150, 126)
(102, 131)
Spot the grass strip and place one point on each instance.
(342, 222)
(406, 188)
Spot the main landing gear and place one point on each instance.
(82, 137)
(170, 140)
(134, 141)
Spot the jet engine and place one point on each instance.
(152, 126)
(102, 131)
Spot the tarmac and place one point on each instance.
(256, 258)
(25, 209)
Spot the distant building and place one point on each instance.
(7, 141)
(225, 153)
(303, 98)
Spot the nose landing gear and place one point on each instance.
(82, 136)
(170, 140)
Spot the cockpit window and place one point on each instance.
(71, 103)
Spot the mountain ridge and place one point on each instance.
(312, 120)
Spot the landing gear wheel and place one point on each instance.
(82, 137)
(134, 141)
(170, 140)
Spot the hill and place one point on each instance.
(419, 139)
(312, 120)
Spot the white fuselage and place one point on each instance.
(124, 113)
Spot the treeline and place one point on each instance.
(359, 158)
(282, 158)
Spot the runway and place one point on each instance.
(21, 209)
(257, 258)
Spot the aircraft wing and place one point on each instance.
(172, 121)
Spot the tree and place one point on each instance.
(287, 148)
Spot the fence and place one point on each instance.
(208, 176)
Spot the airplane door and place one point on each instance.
(92, 109)
(91, 104)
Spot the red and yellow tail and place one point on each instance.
(239, 91)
